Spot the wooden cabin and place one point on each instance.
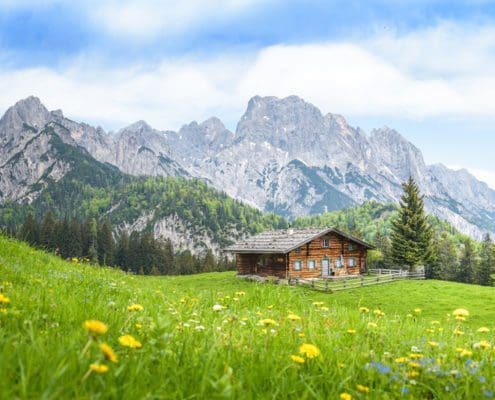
(301, 253)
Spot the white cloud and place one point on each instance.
(384, 76)
(144, 19)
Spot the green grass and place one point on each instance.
(191, 351)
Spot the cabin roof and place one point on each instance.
(285, 240)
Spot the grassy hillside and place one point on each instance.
(214, 336)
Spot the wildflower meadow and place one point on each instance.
(69, 330)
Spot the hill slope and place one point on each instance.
(214, 336)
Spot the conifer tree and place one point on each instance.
(467, 265)
(106, 245)
(446, 264)
(74, 247)
(487, 262)
(30, 230)
(47, 232)
(411, 231)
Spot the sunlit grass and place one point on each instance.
(215, 336)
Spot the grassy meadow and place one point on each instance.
(214, 336)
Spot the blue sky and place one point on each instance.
(425, 68)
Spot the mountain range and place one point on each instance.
(285, 156)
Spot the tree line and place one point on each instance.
(413, 242)
(93, 241)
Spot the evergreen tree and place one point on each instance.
(74, 245)
(30, 230)
(62, 234)
(47, 232)
(209, 263)
(122, 251)
(411, 232)
(106, 245)
(467, 265)
(487, 262)
(446, 264)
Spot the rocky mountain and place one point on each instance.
(285, 156)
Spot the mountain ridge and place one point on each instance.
(285, 156)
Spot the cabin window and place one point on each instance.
(338, 263)
(325, 243)
(351, 246)
(311, 264)
(352, 262)
(297, 265)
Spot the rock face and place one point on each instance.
(285, 156)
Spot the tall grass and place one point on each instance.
(214, 336)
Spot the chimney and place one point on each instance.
(290, 230)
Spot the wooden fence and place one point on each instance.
(374, 277)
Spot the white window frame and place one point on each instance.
(353, 262)
(338, 263)
(297, 262)
(327, 241)
(314, 265)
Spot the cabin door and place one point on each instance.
(325, 267)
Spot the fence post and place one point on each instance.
(326, 285)
(362, 281)
(313, 284)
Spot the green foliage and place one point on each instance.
(411, 233)
(191, 351)
(487, 262)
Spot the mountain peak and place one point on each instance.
(28, 111)
(140, 126)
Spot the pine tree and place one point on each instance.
(467, 266)
(208, 263)
(74, 245)
(106, 245)
(446, 265)
(411, 231)
(487, 262)
(30, 230)
(47, 232)
(122, 252)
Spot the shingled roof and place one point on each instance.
(285, 240)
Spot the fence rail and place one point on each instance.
(376, 277)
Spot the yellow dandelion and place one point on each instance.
(417, 311)
(309, 350)
(99, 368)
(95, 327)
(301, 334)
(297, 359)
(341, 365)
(135, 307)
(414, 364)
(412, 374)
(460, 318)
(4, 299)
(483, 344)
(108, 352)
(345, 396)
(372, 325)
(483, 329)
(351, 331)
(435, 322)
(461, 312)
(129, 341)
(432, 344)
(401, 360)
(464, 352)
(362, 388)
(416, 356)
(293, 317)
(364, 310)
(409, 315)
(240, 293)
(458, 332)
(318, 303)
(324, 308)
